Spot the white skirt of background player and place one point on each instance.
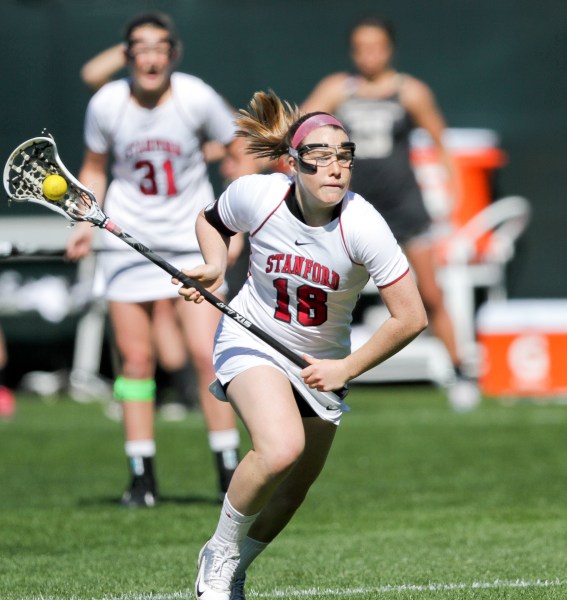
(125, 275)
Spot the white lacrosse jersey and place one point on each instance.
(159, 177)
(303, 281)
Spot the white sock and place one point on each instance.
(232, 526)
(249, 550)
(219, 441)
(144, 448)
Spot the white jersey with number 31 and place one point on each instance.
(159, 177)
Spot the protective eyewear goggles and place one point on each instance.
(312, 156)
(136, 48)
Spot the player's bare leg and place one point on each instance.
(135, 388)
(199, 326)
(264, 400)
(463, 392)
(286, 499)
(263, 397)
(270, 484)
(173, 358)
(291, 492)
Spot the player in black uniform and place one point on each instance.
(379, 107)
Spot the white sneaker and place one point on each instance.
(463, 395)
(237, 592)
(215, 574)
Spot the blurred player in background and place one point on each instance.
(379, 107)
(313, 245)
(170, 343)
(153, 124)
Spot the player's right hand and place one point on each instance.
(80, 242)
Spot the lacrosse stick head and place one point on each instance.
(34, 160)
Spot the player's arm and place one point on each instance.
(103, 67)
(238, 161)
(93, 175)
(235, 248)
(419, 101)
(214, 248)
(327, 95)
(407, 320)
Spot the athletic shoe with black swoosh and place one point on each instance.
(216, 568)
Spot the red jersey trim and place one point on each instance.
(344, 239)
(381, 287)
(268, 217)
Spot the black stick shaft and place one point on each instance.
(211, 298)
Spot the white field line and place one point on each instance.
(340, 593)
(430, 587)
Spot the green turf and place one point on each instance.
(415, 502)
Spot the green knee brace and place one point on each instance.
(134, 390)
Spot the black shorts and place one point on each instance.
(397, 198)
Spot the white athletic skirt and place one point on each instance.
(127, 276)
(236, 350)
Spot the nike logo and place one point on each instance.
(297, 243)
(200, 591)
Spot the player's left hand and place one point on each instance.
(325, 375)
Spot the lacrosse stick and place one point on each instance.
(31, 162)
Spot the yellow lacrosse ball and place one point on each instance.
(54, 187)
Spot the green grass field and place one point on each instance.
(415, 502)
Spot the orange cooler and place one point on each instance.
(476, 156)
(523, 348)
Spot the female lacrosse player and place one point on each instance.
(313, 246)
(153, 124)
(379, 107)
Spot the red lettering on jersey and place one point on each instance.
(278, 258)
(303, 267)
(325, 276)
(316, 273)
(287, 264)
(142, 146)
(298, 265)
(308, 268)
(335, 280)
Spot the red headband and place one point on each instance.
(313, 123)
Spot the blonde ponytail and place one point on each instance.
(266, 124)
